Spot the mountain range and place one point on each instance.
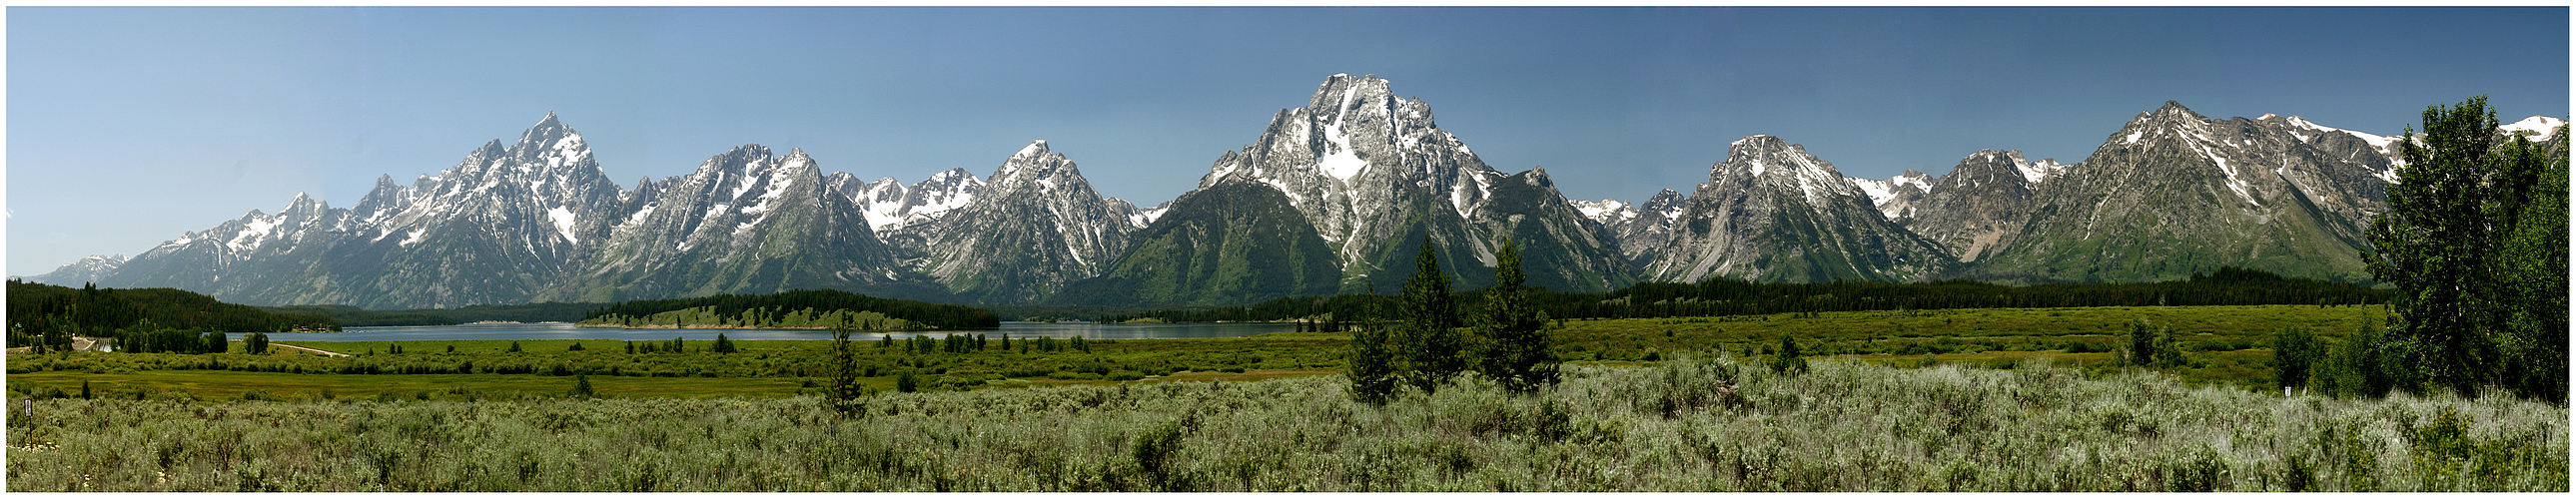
(1334, 196)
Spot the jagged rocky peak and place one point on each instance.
(2171, 121)
(1988, 166)
(1033, 165)
(1769, 160)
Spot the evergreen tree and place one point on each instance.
(255, 343)
(1517, 351)
(514, 347)
(723, 345)
(1430, 348)
(844, 399)
(1789, 359)
(581, 387)
(1372, 368)
(2449, 212)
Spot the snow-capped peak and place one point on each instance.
(1034, 149)
(1596, 210)
(2302, 128)
(2537, 128)
(1765, 157)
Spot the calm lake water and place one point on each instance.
(564, 331)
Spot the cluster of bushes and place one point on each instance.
(172, 341)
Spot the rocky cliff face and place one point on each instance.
(1773, 212)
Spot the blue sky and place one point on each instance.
(128, 126)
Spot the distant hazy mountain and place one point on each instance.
(1332, 197)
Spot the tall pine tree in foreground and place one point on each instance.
(1431, 350)
(1371, 367)
(1516, 347)
(2453, 244)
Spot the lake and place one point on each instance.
(566, 331)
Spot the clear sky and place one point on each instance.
(129, 126)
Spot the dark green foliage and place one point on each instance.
(1371, 367)
(576, 347)
(162, 341)
(1719, 296)
(2533, 269)
(255, 343)
(2365, 363)
(2435, 241)
(1231, 243)
(2475, 241)
(929, 314)
(2151, 346)
(533, 312)
(214, 342)
(1154, 451)
(2295, 354)
(514, 347)
(1429, 348)
(1517, 352)
(1789, 360)
(907, 382)
(844, 397)
(48, 311)
(581, 387)
(1077, 343)
(84, 389)
(722, 345)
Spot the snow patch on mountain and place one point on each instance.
(563, 218)
(2536, 128)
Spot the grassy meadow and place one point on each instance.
(1987, 400)
(2224, 346)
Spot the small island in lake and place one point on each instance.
(803, 309)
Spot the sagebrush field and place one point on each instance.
(1681, 424)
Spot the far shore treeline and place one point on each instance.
(530, 312)
(792, 309)
(1720, 296)
(53, 314)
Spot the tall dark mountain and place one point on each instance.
(2174, 193)
(1232, 243)
(1036, 225)
(1772, 212)
(1527, 207)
